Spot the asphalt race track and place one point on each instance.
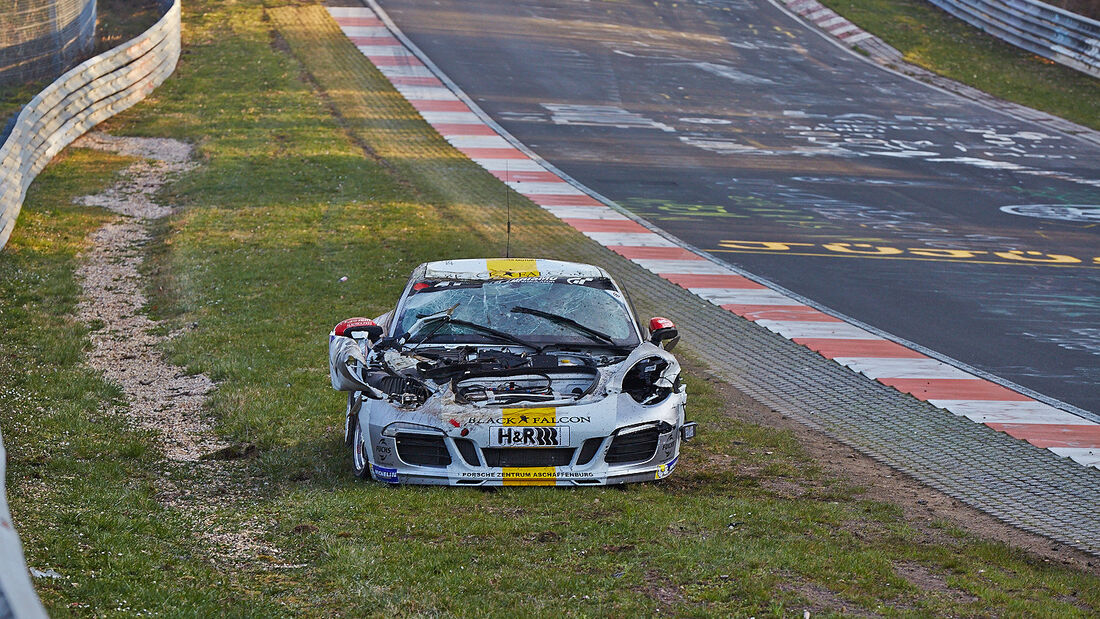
(733, 127)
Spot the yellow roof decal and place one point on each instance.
(512, 267)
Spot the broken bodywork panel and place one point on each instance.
(500, 372)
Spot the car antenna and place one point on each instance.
(508, 211)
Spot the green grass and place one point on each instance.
(14, 97)
(930, 38)
(296, 189)
(82, 484)
(118, 21)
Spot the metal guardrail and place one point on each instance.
(1042, 29)
(17, 597)
(86, 95)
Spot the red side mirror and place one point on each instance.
(662, 332)
(358, 328)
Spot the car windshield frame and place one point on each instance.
(489, 303)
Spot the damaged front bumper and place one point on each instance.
(608, 442)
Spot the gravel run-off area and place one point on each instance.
(126, 347)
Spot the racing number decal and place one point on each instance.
(512, 267)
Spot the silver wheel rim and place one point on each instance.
(359, 452)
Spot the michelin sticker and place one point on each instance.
(382, 473)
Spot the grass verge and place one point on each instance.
(930, 38)
(83, 486)
(312, 169)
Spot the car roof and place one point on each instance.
(507, 268)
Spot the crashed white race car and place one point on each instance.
(510, 372)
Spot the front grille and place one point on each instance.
(634, 447)
(588, 450)
(468, 450)
(516, 456)
(422, 450)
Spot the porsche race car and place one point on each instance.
(495, 372)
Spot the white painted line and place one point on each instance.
(1081, 455)
(586, 212)
(483, 141)
(393, 51)
(407, 71)
(366, 31)
(630, 239)
(350, 11)
(510, 165)
(792, 329)
(426, 93)
(558, 189)
(683, 267)
(877, 367)
(453, 118)
(745, 296)
(993, 411)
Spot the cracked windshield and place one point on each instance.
(557, 311)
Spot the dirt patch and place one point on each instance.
(923, 578)
(820, 600)
(666, 593)
(162, 397)
(200, 477)
(920, 505)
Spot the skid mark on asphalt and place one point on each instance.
(878, 358)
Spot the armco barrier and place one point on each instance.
(1042, 29)
(89, 93)
(17, 597)
(86, 95)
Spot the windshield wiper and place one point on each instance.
(501, 335)
(591, 333)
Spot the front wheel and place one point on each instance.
(359, 464)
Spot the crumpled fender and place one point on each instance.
(646, 349)
(345, 356)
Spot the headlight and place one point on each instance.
(648, 381)
(405, 427)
